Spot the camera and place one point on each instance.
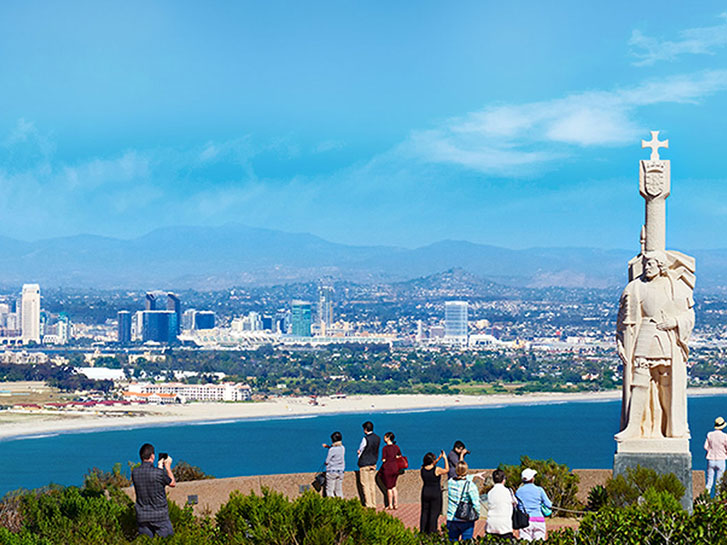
(163, 457)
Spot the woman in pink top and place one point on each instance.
(716, 447)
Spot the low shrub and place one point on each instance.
(597, 498)
(11, 515)
(308, 520)
(187, 472)
(625, 490)
(98, 481)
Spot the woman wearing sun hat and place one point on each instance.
(533, 499)
(716, 447)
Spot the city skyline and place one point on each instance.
(503, 125)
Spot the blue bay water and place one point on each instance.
(579, 434)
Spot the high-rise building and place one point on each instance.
(325, 308)
(175, 305)
(455, 320)
(188, 319)
(300, 319)
(252, 322)
(204, 319)
(12, 322)
(30, 320)
(4, 313)
(124, 326)
(198, 319)
(151, 301)
(281, 322)
(159, 326)
(63, 329)
(137, 325)
(420, 332)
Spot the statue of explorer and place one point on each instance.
(655, 320)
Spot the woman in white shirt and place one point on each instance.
(500, 502)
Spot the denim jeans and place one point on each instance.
(715, 469)
(460, 528)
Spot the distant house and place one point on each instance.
(156, 398)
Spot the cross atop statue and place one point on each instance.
(655, 144)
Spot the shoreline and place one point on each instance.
(30, 426)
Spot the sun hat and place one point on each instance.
(719, 423)
(528, 474)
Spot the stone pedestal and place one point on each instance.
(647, 453)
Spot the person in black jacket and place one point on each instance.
(368, 456)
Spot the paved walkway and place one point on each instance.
(408, 513)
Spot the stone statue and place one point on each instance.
(655, 320)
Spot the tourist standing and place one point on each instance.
(335, 465)
(368, 456)
(716, 447)
(461, 488)
(533, 498)
(390, 469)
(431, 498)
(152, 510)
(455, 456)
(500, 502)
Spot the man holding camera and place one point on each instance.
(152, 511)
(455, 456)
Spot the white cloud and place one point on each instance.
(131, 167)
(692, 41)
(516, 139)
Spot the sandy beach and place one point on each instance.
(14, 425)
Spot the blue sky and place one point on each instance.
(516, 124)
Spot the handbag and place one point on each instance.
(547, 511)
(520, 519)
(319, 481)
(465, 510)
(403, 463)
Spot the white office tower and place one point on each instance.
(455, 321)
(30, 314)
(137, 325)
(325, 309)
(64, 331)
(188, 319)
(420, 332)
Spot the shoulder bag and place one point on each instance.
(319, 481)
(465, 510)
(403, 463)
(520, 519)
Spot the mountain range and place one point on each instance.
(237, 255)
